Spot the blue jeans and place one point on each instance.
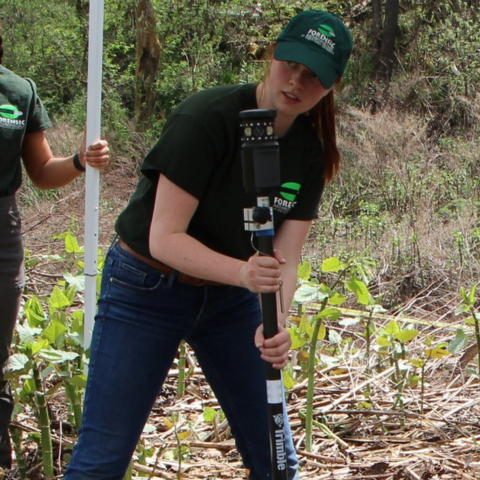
(143, 315)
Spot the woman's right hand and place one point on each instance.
(261, 274)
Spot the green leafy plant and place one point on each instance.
(48, 355)
(328, 299)
(392, 340)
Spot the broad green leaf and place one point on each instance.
(71, 244)
(34, 319)
(167, 422)
(337, 299)
(330, 313)
(306, 326)
(209, 414)
(57, 356)
(53, 331)
(472, 295)
(288, 380)
(77, 281)
(75, 339)
(304, 271)
(35, 305)
(438, 352)
(406, 335)
(17, 362)
(39, 345)
(26, 333)
(383, 341)
(392, 328)
(34, 312)
(459, 342)
(332, 264)
(70, 293)
(58, 300)
(360, 290)
(183, 435)
(29, 387)
(306, 293)
(322, 331)
(297, 340)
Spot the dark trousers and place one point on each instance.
(11, 287)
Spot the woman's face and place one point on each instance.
(291, 89)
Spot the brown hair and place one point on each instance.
(322, 116)
(323, 119)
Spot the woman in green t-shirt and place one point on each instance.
(184, 267)
(23, 120)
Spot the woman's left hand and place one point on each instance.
(275, 349)
(96, 155)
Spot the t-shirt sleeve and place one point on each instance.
(37, 115)
(186, 153)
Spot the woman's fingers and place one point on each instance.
(97, 155)
(274, 350)
(261, 274)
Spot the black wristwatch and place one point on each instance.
(77, 164)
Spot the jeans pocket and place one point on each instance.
(139, 278)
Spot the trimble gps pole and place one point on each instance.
(261, 176)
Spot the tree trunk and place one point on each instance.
(386, 55)
(377, 26)
(148, 60)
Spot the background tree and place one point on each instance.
(384, 38)
(148, 59)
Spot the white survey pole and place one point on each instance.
(92, 182)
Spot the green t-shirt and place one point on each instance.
(21, 112)
(200, 151)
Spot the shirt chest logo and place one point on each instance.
(286, 199)
(9, 117)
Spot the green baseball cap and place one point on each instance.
(320, 41)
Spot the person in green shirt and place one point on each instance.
(23, 120)
(184, 268)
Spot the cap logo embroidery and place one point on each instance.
(321, 37)
(326, 30)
